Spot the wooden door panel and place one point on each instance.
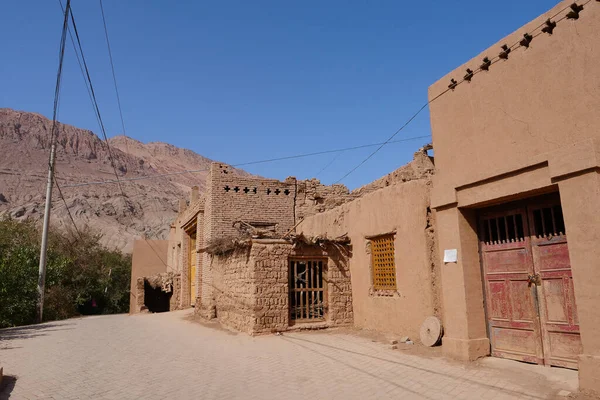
(521, 302)
(507, 265)
(562, 349)
(555, 301)
(507, 260)
(558, 311)
(516, 344)
(552, 255)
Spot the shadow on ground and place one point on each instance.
(7, 386)
(30, 331)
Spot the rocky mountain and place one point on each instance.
(149, 205)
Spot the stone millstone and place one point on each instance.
(431, 331)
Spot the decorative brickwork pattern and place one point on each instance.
(255, 201)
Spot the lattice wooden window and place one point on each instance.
(383, 262)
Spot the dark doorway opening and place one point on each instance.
(155, 299)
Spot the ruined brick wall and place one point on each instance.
(421, 167)
(404, 209)
(271, 263)
(140, 293)
(253, 200)
(251, 286)
(176, 297)
(271, 276)
(233, 289)
(312, 197)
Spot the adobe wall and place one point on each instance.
(149, 258)
(158, 279)
(403, 208)
(253, 200)
(312, 197)
(234, 292)
(251, 286)
(420, 167)
(529, 125)
(514, 116)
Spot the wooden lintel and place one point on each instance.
(380, 234)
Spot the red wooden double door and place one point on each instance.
(530, 301)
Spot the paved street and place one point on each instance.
(168, 356)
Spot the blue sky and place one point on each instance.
(239, 81)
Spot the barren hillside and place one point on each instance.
(149, 205)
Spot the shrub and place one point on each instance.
(81, 275)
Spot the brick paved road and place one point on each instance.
(165, 356)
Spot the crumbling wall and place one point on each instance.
(149, 258)
(233, 289)
(251, 285)
(271, 277)
(312, 197)
(421, 167)
(167, 282)
(401, 208)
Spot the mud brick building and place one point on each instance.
(498, 237)
(234, 262)
(516, 193)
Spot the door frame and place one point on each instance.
(191, 231)
(531, 244)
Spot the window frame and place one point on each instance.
(380, 248)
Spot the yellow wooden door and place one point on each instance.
(192, 263)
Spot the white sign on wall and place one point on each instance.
(450, 255)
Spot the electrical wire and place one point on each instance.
(493, 60)
(68, 209)
(112, 67)
(80, 66)
(316, 153)
(53, 134)
(478, 70)
(89, 79)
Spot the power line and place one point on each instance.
(51, 164)
(391, 137)
(492, 60)
(112, 66)
(81, 67)
(245, 163)
(95, 101)
(68, 210)
(330, 163)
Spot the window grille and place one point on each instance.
(307, 292)
(383, 262)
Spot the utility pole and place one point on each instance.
(51, 163)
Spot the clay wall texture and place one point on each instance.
(403, 208)
(234, 291)
(251, 287)
(140, 293)
(272, 203)
(541, 99)
(149, 258)
(312, 197)
(419, 168)
(527, 126)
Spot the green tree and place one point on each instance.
(82, 276)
